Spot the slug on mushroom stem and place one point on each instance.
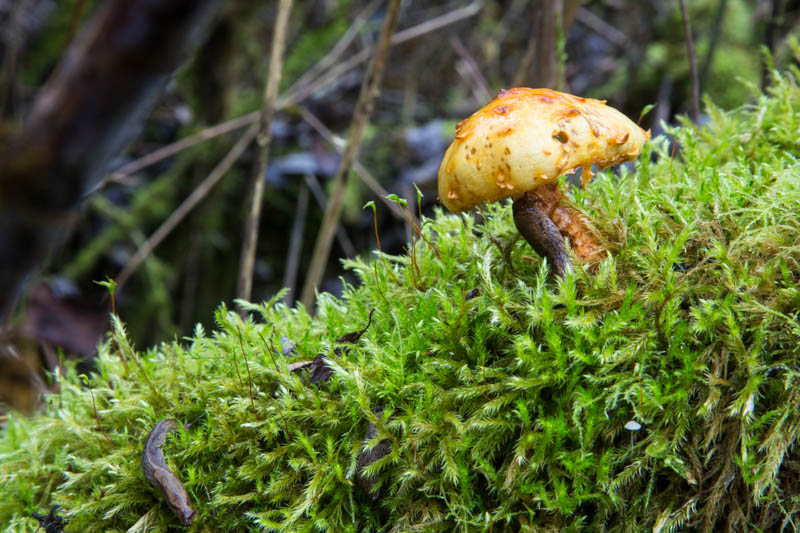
(518, 145)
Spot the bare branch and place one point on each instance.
(264, 137)
(186, 207)
(366, 99)
(602, 28)
(362, 172)
(687, 30)
(293, 96)
(480, 86)
(295, 244)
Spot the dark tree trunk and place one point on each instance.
(86, 113)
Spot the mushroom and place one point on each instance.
(518, 145)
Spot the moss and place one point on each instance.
(505, 393)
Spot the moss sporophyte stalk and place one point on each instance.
(502, 411)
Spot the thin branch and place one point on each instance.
(602, 28)
(124, 172)
(687, 30)
(337, 50)
(366, 99)
(338, 71)
(295, 244)
(244, 355)
(277, 370)
(247, 259)
(291, 97)
(322, 201)
(186, 207)
(97, 416)
(712, 47)
(539, 64)
(480, 87)
(362, 172)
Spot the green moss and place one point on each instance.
(505, 411)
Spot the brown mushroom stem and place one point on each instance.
(544, 217)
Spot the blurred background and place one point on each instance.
(448, 58)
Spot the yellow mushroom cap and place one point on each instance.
(528, 137)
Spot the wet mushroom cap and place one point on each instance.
(525, 138)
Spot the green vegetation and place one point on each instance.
(505, 411)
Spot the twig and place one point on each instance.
(244, 356)
(481, 87)
(277, 370)
(366, 99)
(716, 30)
(188, 204)
(602, 28)
(365, 175)
(337, 50)
(124, 172)
(687, 30)
(97, 416)
(275, 363)
(295, 244)
(541, 55)
(322, 200)
(770, 32)
(380, 253)
(247, 259)
(401, 37)
(291, 97)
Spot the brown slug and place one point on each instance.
(161, 477)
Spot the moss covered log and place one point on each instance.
(498, 395)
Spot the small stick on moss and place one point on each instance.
(266, 346)
(380, 252)
(475, 383)
(354, 336)
(264, 137)
(97, 416)
(416, 454)
(687, 30)
(366, 100)
(414, 264)
(111, 287)
(419, 229)
(236, 366)
(247, 366)
(269, 353)
(461, 312)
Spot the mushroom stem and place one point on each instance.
(544, 217)
(541, 233)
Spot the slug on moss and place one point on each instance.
(161, 477)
